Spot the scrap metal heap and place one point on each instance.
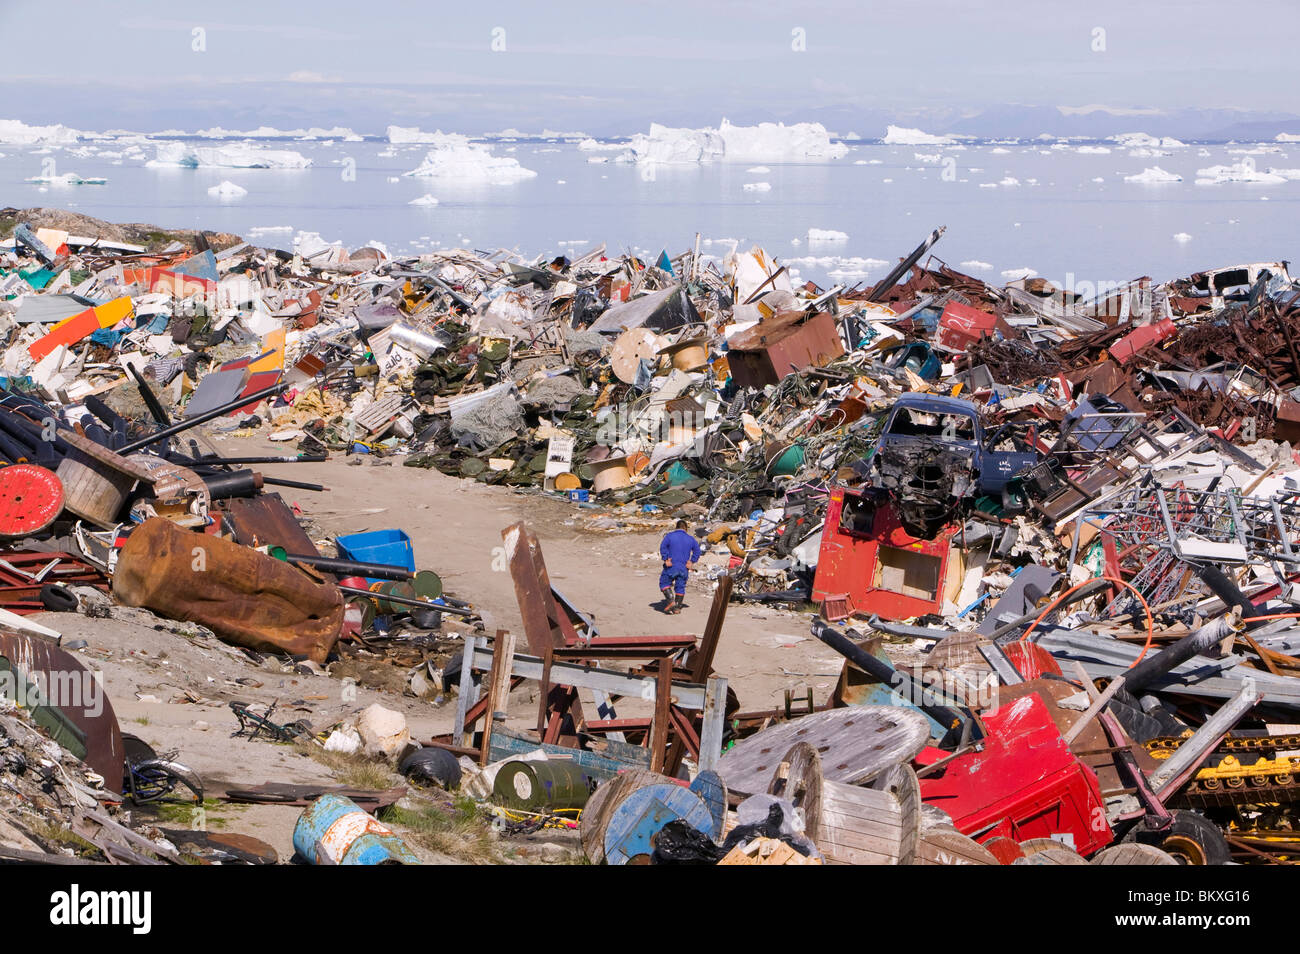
(1056, 538)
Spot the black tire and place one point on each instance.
(57, 598)
(1192, 839)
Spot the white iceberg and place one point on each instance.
(232, 156)
(826, 236)
(1094, 150)
(1018, 274)
(17, 133)
(1244, 171)
(407, 135)
(69, 179)
(906, 136)
(757, 187)
(671, 146)
(1182, 237)
(455, 157)
(976, 263)
(777, 142)
(594, 145)
(758, 170)
(227, 190)
(1153, 175)
(424, 200)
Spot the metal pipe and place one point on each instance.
(422, 604)
(378, 571)
(889, 280)
(298, 484)
(203, 418)
(887, 674)
(1153, 667)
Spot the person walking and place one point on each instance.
(680, 552)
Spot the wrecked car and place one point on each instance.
(933, 453)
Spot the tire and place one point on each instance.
(57, 598)
(1192, 839)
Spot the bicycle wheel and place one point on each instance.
(158, 778)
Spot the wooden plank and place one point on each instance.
(659, 730)
(503, 657)
(459, 734)
(714, 722)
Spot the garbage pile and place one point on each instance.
(1020, 513)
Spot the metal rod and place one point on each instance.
(378, 571)
(299, 484)
(423, 604)
(203, 418)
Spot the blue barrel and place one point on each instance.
(335, 831)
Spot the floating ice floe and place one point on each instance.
(673, 145)
(1094, 150)
(268, 230)
(68, 179)
(758, 170)
(906, 136)
(927, 156)
(976, 263)
(1182, 237)
(1009, 181)
(424, 200)
(227, 190)
(757, 187)
(232, 156)
(1284, 173)
(455, 157)
(1017, 274)
(1153, 175)
(826, 236)
(1244, 171)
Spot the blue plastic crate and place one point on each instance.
(391, 547)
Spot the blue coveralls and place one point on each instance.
(681, 548)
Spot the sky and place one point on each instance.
(610, 69)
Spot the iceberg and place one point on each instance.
(670, 145)
(1153, 175)
(1018, 274)
(826, 236)
(757, 187)
(17, 133)
(68, 179)
(1237, 172)
(424, 200)
(232, 156)
(227, 190)
(777, 142)
(455, 157)
(905, 136)
(593, 145)
(1182, 237)
(976, 263)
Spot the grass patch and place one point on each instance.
(56, 836)
(143, 720)
(185, 814)
(355, 771)
(455, 829)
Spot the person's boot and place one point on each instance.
(667, 591)
(676, 606)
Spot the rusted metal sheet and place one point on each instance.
(782, 345)
(78, 693)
